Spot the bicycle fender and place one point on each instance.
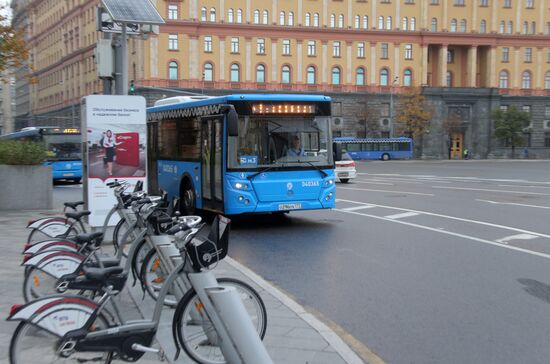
(49, 245)
(56, 314)
(56, 263)
(53, 228)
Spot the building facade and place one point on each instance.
(22, 112)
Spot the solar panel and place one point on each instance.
(133, 11)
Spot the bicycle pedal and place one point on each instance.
(145, 349)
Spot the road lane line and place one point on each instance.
(374, 183)
(489, 190)
(520, 186)
(400, 216)
(387, 191)
(515, 204)
(358, 208)
(468, 237)
(472, 179)
(506, 239)
(454, 218)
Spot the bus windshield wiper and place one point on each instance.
(323, 173)
(251, 177)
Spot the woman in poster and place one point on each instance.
(109, 143)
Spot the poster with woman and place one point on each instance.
(115, 147)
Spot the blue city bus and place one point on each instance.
(237, 154)
(63, 147)
(377, 148)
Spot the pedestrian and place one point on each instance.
(466, 153)
(109, 143)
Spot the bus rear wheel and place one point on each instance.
(385, 157)
(188, 200)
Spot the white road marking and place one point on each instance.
(387, 191)
(506, 239)
(398, 180)
(473, 238)
(401, 216)
(515, 204)
(374, 183)
(455, 218)
(489, 190)
(520, 186)
(354, 208)
(477, 179)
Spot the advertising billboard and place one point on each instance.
(115, 147)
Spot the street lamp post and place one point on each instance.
(392, 127)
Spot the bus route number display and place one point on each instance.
(283, 108)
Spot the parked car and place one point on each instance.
(345, 168)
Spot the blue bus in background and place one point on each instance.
(237, 154)
(63, 147)
(377, 148)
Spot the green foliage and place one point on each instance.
(509, 125)
(22, 152)
(13, 50)
(413, 116)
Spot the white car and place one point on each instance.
(345, 168)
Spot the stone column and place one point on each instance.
(373, 80)
(396, 62)
(248, 59)
(494, 17)
(324, 61)
(492, 74)
(539, 75)
(472, 67)
(445, 15)
(274, 60)
(473, 25)
(349, 46)
(424, 67)
(222, 59)
(516, 83)
(442, 76)
(299, 61)
(193, 57)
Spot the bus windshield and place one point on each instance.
(280, 142)
(63, 147)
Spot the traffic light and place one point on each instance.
(132, 89)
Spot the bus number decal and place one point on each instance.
(248, 160)
(310, 183)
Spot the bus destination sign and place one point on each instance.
(61, 131)
(283, 108)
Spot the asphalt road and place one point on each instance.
(422, 262)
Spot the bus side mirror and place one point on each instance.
(337, 151)
(232, 123)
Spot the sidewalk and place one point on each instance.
(293, 336)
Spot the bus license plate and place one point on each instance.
(290, 206)
(343, 174)
(68, 174)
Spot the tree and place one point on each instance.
(13, 50)
(413, 115)
(510, 125)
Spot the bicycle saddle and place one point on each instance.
(88, 238)
(101, 275)
(77, 215)
(73, 205)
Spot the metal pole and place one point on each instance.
(391, 111)
(124, 52)
(117, 44)
(107, 82)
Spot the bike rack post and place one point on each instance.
(169, 259)
(239, 327)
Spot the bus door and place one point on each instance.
(211, 162)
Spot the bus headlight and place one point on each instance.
(329, 196)
(240, 186)
(329, 182)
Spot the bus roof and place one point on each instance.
(174, 103)
(367, 140)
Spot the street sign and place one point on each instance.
(106, 24)
(133, 11)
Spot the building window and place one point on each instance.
(408, 51)
(208, 72)
(526, 109)
(230, 16)
(434, 25)
(463, 25)
(332, 23)
(384, 50)
(505, 54)
(265, 17)
(484, 3)
(504, 108)
(388, 23)
(172, 12)
(360, 76)
(459, 2)
(212, 14)
(434, 2)
(341, 21)
(361, 50)
(449, 79)
(384, 74)
(507, 3)
(285, 74)
(547, 81)
(256, 16)
(234, 45)
(450, 56)
(510, 29)
(365, 22)
(260, 73)
(547, 139)
(311, 47)
(529, 4)
(357, 22)
(526, 79)
(380, 22)
(290, 18)
(173, 71)
(208, 44)
(528, 55)
(483, 26)
(407, 78)
(308, 20)
(260, 46)
(335, 76)
(413, 24)
(310, 78)
(282, 18)
(316, 19)
(502, 27)
(203, 13)
(286, 47)
(173, 42)
(503, 79)
(405, 23)
(525, 27)
(453, 25)
(239, 16)
(336, 49)
(235, 73)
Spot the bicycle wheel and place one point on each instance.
(31, 344)
(37, 284)
(153, 277)
(195, 331)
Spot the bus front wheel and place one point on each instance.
(188, 200)
(385, 157)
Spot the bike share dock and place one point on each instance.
(293, 335)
